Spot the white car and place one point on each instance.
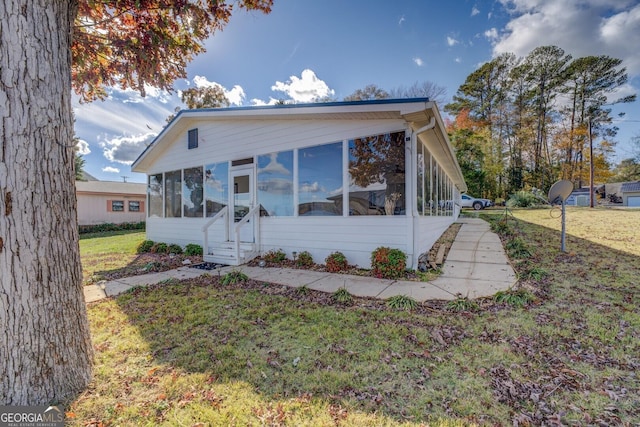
(477, 204)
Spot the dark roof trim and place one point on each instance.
(311, 104)
(630, 187)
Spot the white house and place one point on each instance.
(340, 176)
(101, 202)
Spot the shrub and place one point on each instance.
(175, 249)
(233, 277)
(275, 256)
(502, 227)
(536, 273)
(145, 246)
(304, 259)
(342, 296)
(193, 250)
(517, 248)
(388, 263)
(336, 262)
(515, 298)
(100, 228)
(402, 302)
(523, 199)
(462, 304)
(160, 248)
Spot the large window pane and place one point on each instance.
(173, 194)
(216, 187)
(420, 180)
(320, 180)
(377, 171)
(192, 194)
(434, 186)
(275, 183)
(428, 198)
(155, 195)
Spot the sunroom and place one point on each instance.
(342, 176)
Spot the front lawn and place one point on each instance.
(200, 353)
(112, 254)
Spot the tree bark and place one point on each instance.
(45, 348)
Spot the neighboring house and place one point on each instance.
(341, 176)
(631, 194)
(580, 197)
(101, 202)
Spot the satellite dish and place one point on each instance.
(559, 191)
(558, 194)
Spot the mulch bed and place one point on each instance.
(148, 263)
(154, 263)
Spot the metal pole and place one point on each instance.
(562, 239)
(591, 201)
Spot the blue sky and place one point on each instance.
(309, 49)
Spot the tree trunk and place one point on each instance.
(45, 348)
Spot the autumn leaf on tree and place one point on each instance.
(133, 43)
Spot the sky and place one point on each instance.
(305, 50)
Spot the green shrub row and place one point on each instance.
(386, 263)
(100, 228)
(149, 246)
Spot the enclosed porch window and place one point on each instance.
(377, 175)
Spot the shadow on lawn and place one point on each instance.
(578, 343)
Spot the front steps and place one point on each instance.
(224, 253)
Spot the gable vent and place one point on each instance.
(193, 138)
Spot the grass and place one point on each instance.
(107, 251)
(250, 353)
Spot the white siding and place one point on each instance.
(355, 236)
(232, 140)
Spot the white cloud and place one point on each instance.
(276, 186)
(125, 149)
(451, 41)
(110, 169)
(475, 11)
(259, 102)
(491, 35)
(306, 88)
(83, 147)
(134, 97)
(419, 62)
(580, 27)
(458, 60)
(274, 166)
(401, 21)
(309, 187)
(235, 95)
(112, 118)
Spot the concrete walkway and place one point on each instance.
(476, 266)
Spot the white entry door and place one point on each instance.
(242, 200)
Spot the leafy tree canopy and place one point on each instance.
(369, 92)
(133, 43)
